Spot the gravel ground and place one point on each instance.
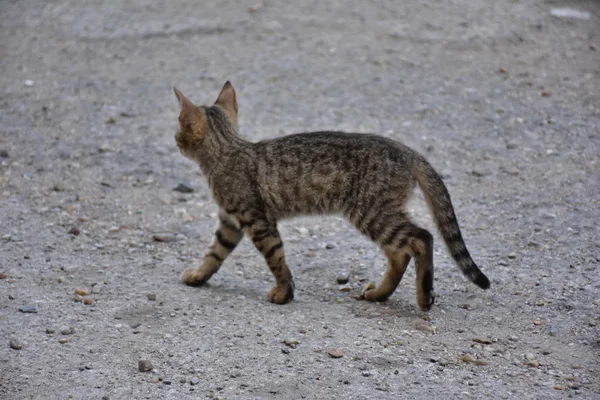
(501, 96)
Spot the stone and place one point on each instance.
(50, 331)
(291, 342)
(4, 153)
(145, 365)
(15, 344)
(468, 358)
(63, 341)
(164, 237)
(74, 231)
(194, 381)
(426, 328)
(67, 330)
(343, 278)
(530, 356)
(88, 301)
(151, 296)
(335, 353)
(28, 309)
(483, 340)
(329, 246)
(572, 13)
(183, 187)
(81, 292)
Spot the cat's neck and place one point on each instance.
(217, 150)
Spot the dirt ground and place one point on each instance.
(503, 98)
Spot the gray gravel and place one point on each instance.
(503, 97)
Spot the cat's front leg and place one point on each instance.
(226, 238)
(265, 236)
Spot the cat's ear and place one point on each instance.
(188, 111)
(228, 102)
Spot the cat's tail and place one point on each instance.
(438, 200)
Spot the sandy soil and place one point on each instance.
(501, 96)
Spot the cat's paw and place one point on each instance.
(281, 294)
(426, 300)
(194, 277)
(371, 293)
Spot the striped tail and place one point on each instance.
(438, 200)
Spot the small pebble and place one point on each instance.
(154, 379)
(81, 292)
(183, 187)
(468, 358)
(533, 363)
(67, 330)
(164, 237)
(285, 351)
(63, 340)
(483, 340)
(15, 344)
(145, 365)
(530, 356)
(343, 278)
(329, 246)
(291, 342)
(50, 331)
(4, 153)
(335, 353)
(345, 288)
(151, 296)
(194, 381)
(426, 328)
(88, 301)
(558, 387)
(74, 231)
(28, 309)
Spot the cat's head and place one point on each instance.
(196, 123)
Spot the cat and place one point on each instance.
(366, 178)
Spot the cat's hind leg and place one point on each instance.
(397, 262)
(226, 238)
(395, 233)
(421, 248)
(265, 236)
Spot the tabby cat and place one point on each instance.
(366, 178)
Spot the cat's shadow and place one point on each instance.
(394, 307)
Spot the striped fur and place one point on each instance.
(366, 178)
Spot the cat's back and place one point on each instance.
(323, 171)
(328, 145)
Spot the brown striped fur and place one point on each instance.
(366, 178)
